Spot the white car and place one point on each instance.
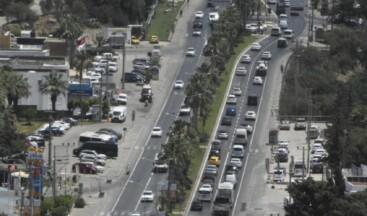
(196, 33)
(237, 91)
(199, 15)
(287, 3)
(206, 187)
(255, 27)
(185, 110)
(222, 134)
(250, 115)
(62, 124)
(147, 196)
(190, 51)
(122, 99)
(112, 67)
(236, 162)
(179, 84)
(92, 152)
(283, 17)
(231, 99)
(266, 55)
(288, 33)
(255, 47)
(92, 158)
(157, 132)
(258, 80)
(246, 59)
(241, 71)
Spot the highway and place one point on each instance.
(251, 178)
(142, 177)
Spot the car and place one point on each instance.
(255, 47)
(99, 168)
(282, 16)
(236, 162)
(231, 111)
(199, 15)
(122, 99)
(132, 77)
(153, 39)
(214, 160)
(281, 156)
(249, 128)
(190, 52)
(271, 1)
(157, 132)
(207, 187)
(256, 27)
(92, 152)
(179, 84)
(246, 59)
(147, 196)
(197, 24)
(39, 140)
(70, 120)
(283, 24)
(141, 66)
(84, 168)
(241, 71)
(211, 170)
(223, 134)
(226, 121)
(266, 55)
(196, 205)
(196, 33)
(231, 99)
(258, 80)
(214, 152)
(287, 3)
(231, 169)
(117, 134)
(300, 124)
(288, 33)
(216, 145)
(143, 60)
(250, 115)
(284, 125)
(237, 91)
(112, 67)
(208, 180)
(88, 157)
(185, 110)
(135, 40)
(278, 176)
(284, 144)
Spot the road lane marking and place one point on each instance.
(137, 205)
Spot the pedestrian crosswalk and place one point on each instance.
(121, 213)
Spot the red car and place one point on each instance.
(85, 168)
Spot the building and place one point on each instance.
(35, 58)
(355, 178)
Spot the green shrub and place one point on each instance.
(66, 201)
(79, 203)
(60, 211)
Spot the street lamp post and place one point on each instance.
(123, 64)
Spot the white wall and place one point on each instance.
(42, 101)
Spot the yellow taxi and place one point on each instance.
(153, 39)
(135, 40)
(214, 160)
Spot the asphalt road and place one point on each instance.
(252, 174)
(142, 178)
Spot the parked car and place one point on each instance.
(92, 152)
(284, 125)
(84, 168)
(117, 134)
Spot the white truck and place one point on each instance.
(224, 200)
(118, 114)
(240, 136)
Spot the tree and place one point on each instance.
(20, 11)
(54, 86)
(30, 113)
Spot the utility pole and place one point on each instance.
(54, 175)
(100, 99)
(309, 116)
(123, 65)
(345, 140)
(303, 163)
(296, 76)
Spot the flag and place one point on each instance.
(80, 43)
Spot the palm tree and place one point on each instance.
(82, 62)
(70, 29)
(15, 86)
(54, 86)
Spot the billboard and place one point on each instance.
(35, 167)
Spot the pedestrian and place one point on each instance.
(272, 111)
(180, 12)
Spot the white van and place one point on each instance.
(241, 136)
(283, 24)
(118, 114)
(231, 178)
(276, 31)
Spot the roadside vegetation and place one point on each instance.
(164, 19)
(333, 83)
